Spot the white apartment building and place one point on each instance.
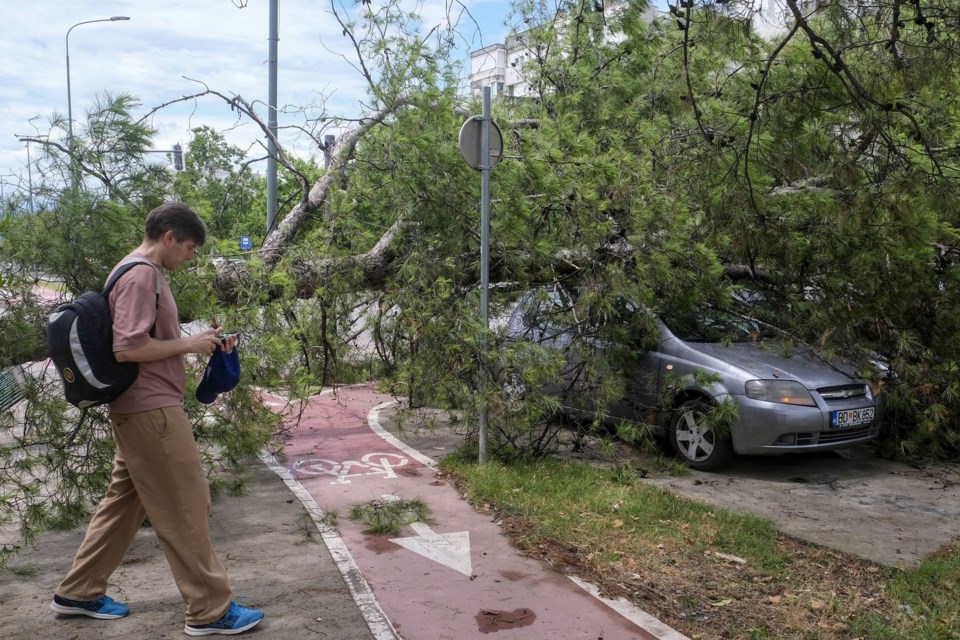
(500, 66)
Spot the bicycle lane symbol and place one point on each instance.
(372, 464)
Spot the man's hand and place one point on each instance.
(207, 341)
(228, 341)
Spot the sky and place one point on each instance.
(222, 43)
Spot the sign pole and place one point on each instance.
(484, 264)
(481, 145)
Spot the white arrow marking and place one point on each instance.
(449, 549)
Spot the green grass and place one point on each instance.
(927, 602)
(610, 520)
(577, 502)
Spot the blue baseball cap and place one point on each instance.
(222, 374)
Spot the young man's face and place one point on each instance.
(177, 252)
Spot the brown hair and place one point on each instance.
(179, 218)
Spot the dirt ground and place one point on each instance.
(848, 500)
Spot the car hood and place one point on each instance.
(767, 362)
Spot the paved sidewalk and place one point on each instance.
(261, 538)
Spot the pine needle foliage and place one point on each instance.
(654, 164)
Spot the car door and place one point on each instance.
(534, 321)
(581, 384)
(641, 387)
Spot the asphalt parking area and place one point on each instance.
(849, 500)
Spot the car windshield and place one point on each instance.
(708, 324)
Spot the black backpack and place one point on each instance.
(80, 342)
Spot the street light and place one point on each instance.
(69, 105)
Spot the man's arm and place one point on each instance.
(204, 342)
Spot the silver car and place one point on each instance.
(713, 383)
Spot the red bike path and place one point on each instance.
(456, 577)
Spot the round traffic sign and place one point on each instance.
(470, 143)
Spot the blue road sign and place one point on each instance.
(244, 243)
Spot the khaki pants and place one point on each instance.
(157, 473)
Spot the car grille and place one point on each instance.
(827, 437)
(843, 392)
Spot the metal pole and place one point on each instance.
(328, 142)
(69, 104)
(484, 263)
(73, 171)
(19, 137)
(272, 118)
(69, 99)
(33, 209)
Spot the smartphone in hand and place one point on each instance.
(223, 337)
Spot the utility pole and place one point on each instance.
(26, 140)
(33, 208)
(272, 118)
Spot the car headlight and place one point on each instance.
(782, 391)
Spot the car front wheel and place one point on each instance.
(696, 441)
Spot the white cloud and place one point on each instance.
(211, 41)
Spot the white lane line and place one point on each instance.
(374, 616)
(373, 419)
(376, 619)
(632, 612)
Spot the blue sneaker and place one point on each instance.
(236, 620)
(103, 607)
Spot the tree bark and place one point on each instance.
(279, 239)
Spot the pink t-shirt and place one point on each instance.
(133, 303)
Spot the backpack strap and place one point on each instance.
(126, 266)
(122, 269)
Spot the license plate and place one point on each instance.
(852, 417)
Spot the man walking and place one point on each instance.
(157, 472)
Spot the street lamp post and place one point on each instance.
(67, 40)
